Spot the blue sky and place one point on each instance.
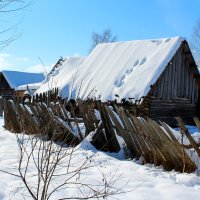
(51, 29)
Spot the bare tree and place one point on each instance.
(9, 32)
(47, 168)
(105, 37)
(195, 43)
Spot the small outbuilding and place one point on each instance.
(10, 82)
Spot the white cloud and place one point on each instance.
(5, 62)
(11, 62)
(21, 59)
(38, 69)
(15, 63)
(73, 55)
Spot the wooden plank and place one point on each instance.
(99, 139)
(179, 73)
(170, 81)
(197, 122)
(173, 88)
(190, 85)
(182, 81)
(31, 126)
(156, 144)
(12, 123)
(142, 138)
(89, 118)
(130, 140)
(186, 132)
(141, 145)
(168, 146)
(177, 146)
(161, 87)
(193, 90)
(112, 142)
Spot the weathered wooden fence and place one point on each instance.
(143, 137)
(46, 97)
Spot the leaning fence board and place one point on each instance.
(68, 136)
(156, 144)
(88, 116)
(112, 142)
(124, 133)
(131, 143)
(99, 140)
(190, 138)
(184, 158)
(197, 122)
(11, 117)
(143, 137)
(168, 147)
(132, 132)
(31, 126)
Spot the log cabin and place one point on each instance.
(155, 78)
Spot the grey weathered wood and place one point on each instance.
(197, 122)
(186, 132)
(112, 142)
(176, 89)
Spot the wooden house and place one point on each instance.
(152, 78)
(10, 82)
(176, 91)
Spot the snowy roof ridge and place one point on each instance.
(32, 86)
(17, 78)
(143, 40)
(60, 75)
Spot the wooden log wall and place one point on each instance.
(7, 93)
(167, 110)
(176, 92)
(178, 79)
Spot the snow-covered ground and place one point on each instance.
(137, 181)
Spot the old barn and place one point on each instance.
(11, 80)
(152, 78)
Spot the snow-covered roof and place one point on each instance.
(124, 69)
(62, 75)
(32, 86)
(16, 78)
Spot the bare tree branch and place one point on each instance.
(49, 159)
(195, 43)
(7, 7)
(104, 37)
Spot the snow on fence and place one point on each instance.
(103, 124)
